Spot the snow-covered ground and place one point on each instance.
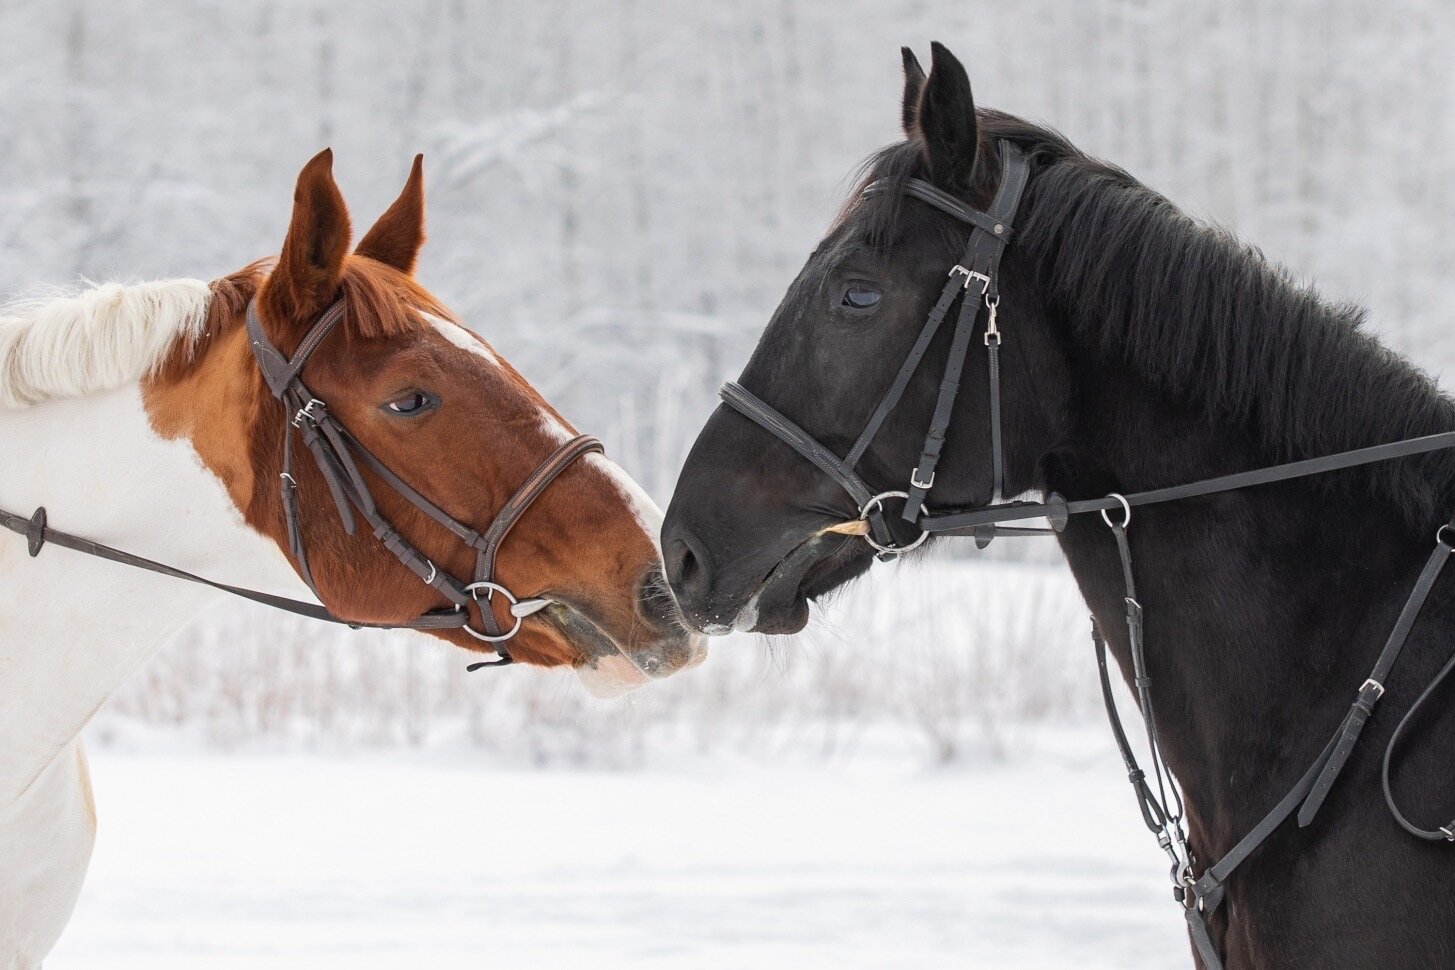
(446, 859)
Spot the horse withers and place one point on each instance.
(139, 417)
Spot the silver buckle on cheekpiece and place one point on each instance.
(971, 274)
(306, 412)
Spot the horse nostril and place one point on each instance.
(686, 571)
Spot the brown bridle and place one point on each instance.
(338, 455)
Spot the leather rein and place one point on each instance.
(978, 270)
(338, 456)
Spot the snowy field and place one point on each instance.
(421, 859)
(273, 794)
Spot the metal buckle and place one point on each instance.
(307, 412)
(971, 274)
(492, 588)
(1378, 687)
(875, 502)
(914, 480)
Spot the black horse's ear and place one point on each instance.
(946, 122)
(914, 82)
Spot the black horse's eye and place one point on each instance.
(860, 296)
(411, 403)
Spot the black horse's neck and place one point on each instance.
(1190, 357)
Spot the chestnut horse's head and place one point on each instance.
(440, 409)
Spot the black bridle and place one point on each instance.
(978, 267)
(1162, 811)
(338, 454)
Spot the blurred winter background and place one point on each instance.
(619, 193)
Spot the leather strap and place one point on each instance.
(1445, 832)
(923, 478)
(963, 522)
(1373, 687)
(22, 525)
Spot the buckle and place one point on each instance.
(306, 412)
(971, 274)
(1371, 682)
(915, 482)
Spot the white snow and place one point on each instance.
(427, 859)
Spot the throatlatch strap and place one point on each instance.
(924, 473)
(988, 240)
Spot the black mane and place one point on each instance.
(1202, 316)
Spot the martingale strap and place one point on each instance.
(1202, 896)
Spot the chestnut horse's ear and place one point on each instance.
(946, 122)
(306, 278)
(914, 82)
(395, 239)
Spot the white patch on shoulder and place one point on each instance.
(462, 338)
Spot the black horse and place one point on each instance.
(1141, 349)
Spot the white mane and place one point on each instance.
(94, 340)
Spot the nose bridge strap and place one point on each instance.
(766, 416)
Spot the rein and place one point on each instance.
(338, 455)
(1162, 811)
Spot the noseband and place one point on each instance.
(338, 454)
(975, 282)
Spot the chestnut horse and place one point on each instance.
(138, 416)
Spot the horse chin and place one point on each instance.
(608, 668)
(817, 566)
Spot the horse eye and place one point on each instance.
(860, 296)
(411, 403)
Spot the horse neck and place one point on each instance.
(76, 627)
(1260, 620)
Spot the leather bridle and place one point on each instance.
(977, 269)
(1162, 811)
(338, 455)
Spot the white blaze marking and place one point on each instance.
(464, 339)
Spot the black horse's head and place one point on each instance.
(745, 537)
